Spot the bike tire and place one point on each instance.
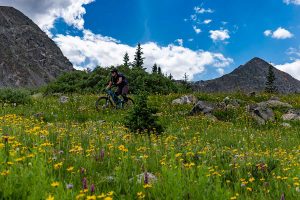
(129, 103)
(103, 103)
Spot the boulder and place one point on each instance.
(291, 115)
(63, 99)
(274, 103)
(202, 107)
(187, 99)
(260, 113)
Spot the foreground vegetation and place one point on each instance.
(50, 150)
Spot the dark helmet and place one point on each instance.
(113, 70)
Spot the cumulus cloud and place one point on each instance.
(293, 52)
(207, 21)
(279, 33)
(92, 50)
(45, 12)
(296, 2)
(179, 41)
(200, 10)
(221, 71)
(219, 35)
(197, 30)
(292, 68)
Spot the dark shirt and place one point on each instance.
(114, 80)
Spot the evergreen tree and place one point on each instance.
(154, 69)
(185, 78)
(141, 118)
(159, 71)
(138, 58)
(270, 84)
(126, 60)
(170, 76)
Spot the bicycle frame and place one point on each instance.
(114, 97)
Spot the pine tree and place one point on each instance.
(159, 71)
(185, 78)
(154, 69)
(126, 60)
(170, 76)
(141, 118)
(270, 84)
(138, 58)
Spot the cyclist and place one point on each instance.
(119, 80)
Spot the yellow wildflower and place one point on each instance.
(50, 197)
(140, 195)
(55, 184)
(147, 186)
(93, 197)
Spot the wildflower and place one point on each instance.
(101, 196)
(251, 179)
(110, 193)
(79, 196)
(69, 186)
(84, 183)
(58, 165)
(55, 184)
(93, 197)
(92, 189)
(122, 148)
(296, 184)
(146, 178)
(140, 195)
(70, 169)
(50, 197)
(108, 198)
(5, 173)
(147, 186)
(82, 170)
(249, 189)
(102, 154)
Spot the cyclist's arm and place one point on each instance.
(109, 85)
(119, 81)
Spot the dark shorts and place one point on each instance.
(122, 90)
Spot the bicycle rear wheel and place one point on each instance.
(103, 103)
(129, 103)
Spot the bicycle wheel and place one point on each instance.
(103, 103)
(129, 103)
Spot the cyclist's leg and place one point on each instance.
(125, 92)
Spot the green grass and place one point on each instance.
(195, 158)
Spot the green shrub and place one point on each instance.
(141, 118)
(14, 96)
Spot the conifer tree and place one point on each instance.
(159, 71)
(126, 60)
(138, 58)
(270, 84)
(154, 69)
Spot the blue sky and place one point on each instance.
(219, 34)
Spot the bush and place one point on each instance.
(141, 118)
(14, 96)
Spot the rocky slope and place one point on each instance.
(250, 77)
(28, 57)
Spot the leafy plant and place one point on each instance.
(14, 96)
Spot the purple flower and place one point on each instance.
(102, 154)
(146, 178)
(92, 189)
(84, 183)
(82, 170)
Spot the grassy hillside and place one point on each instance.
(66, 151)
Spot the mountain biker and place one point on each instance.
(119, 80)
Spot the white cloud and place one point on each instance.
(179, 41)
(279, 33)
(267, 33)
(45, 12)
(207, 21)
(291, 68)
(293, 52)
(191, 39)
(197, 30)
(200, 10)
(92, 50)
(219, 35)
(296, 2)
(221, 71)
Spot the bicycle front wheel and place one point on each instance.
(103, 103)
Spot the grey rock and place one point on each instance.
(274, 104)
(202, 107)
(249, 77)
(291, 115)
(28, 57)
(261, 114)
(187, 99)
(63, 99)
(287, 125)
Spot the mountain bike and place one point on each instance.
(111, 100)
